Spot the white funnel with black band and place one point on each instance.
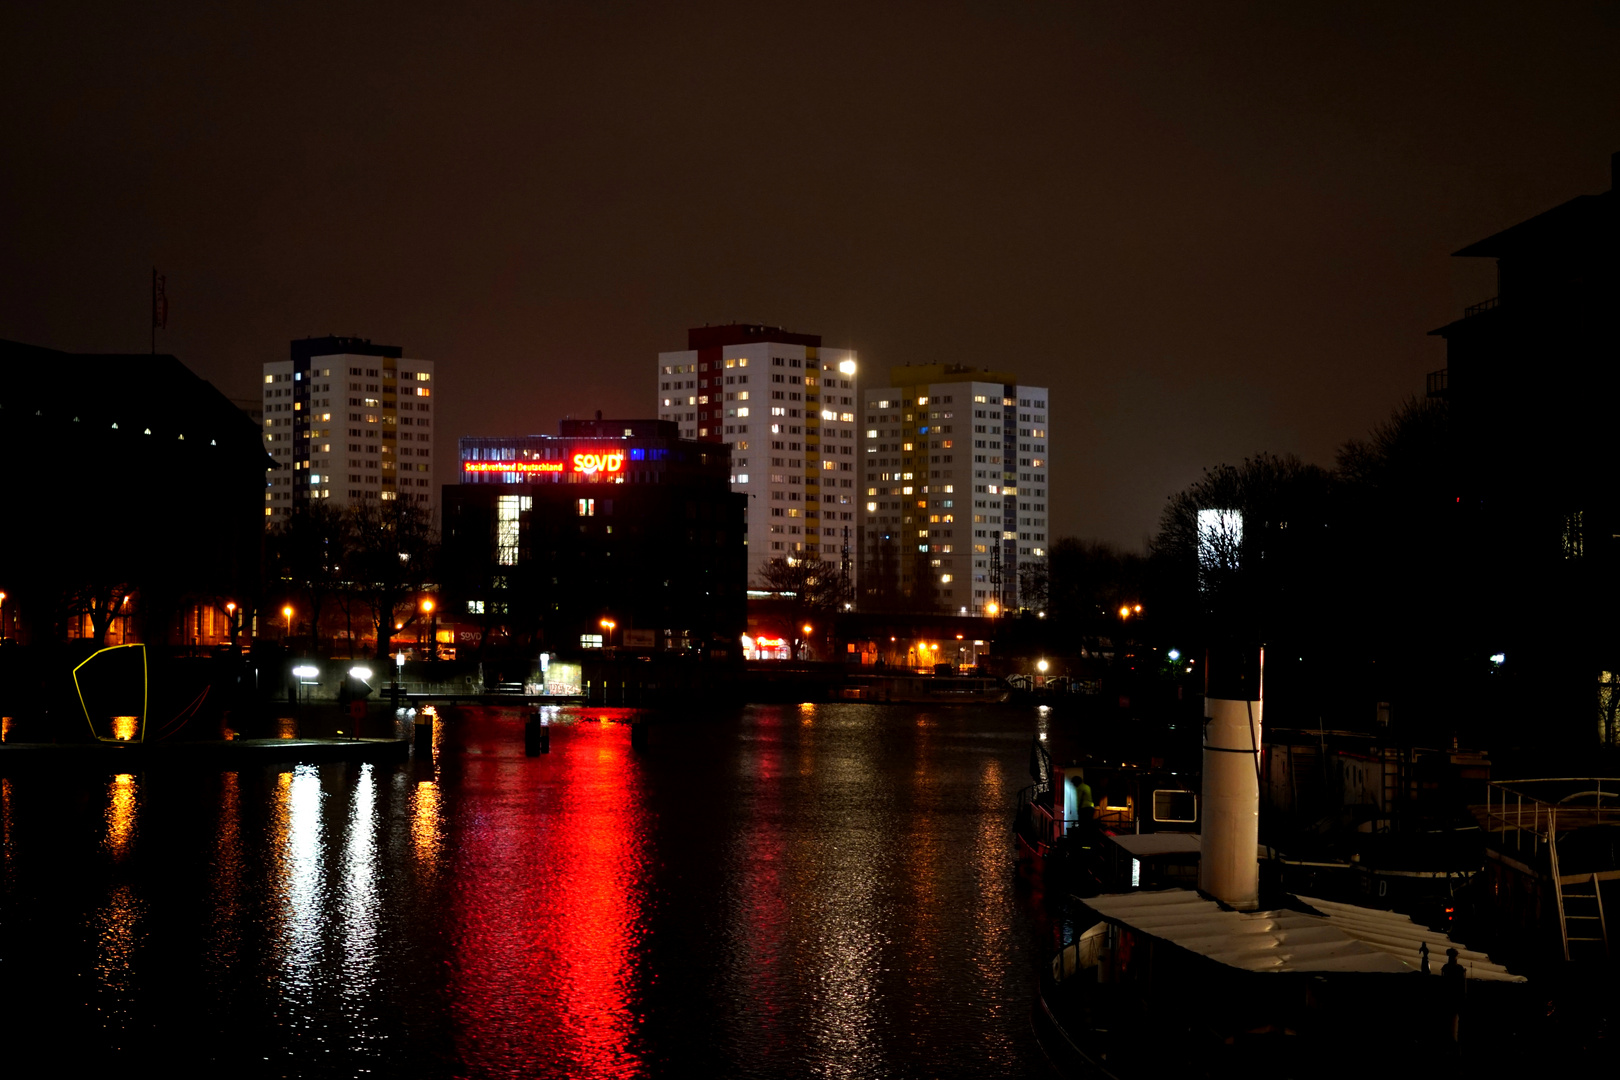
(1228, 867)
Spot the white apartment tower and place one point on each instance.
(347, 422)
(954, 481)
(787, 406)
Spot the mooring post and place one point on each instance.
(532, 735)
(424, 732)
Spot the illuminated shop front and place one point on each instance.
(613, 534)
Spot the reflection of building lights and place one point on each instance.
(121, 812)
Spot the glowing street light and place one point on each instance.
(433, 627)
(286, 613)
(992, 608)
(1040, 665)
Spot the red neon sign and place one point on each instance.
(511, 466)
(591, 463)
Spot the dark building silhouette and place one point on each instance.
(125, 475)
(547, 536)
(1532, 378)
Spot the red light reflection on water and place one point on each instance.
(548, 888)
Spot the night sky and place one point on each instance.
(1212, 229)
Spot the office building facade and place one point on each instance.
(787, 407)
(347, 422)
(613, 533)
(955, 480)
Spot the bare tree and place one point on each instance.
(309, 553)
(810, 589)
(392, 559)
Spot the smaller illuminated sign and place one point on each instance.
(511, 466)
(593, 463)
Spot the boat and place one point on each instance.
(925, 689)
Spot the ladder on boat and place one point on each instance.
(1578, 906)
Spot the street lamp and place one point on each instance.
(230, 620)
(2, 617)
(433, 627)
(286, 613)
(301, 674)
(607, 626)
(1040, 665)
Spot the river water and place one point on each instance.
(775, 891)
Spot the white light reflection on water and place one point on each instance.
(297, 820)
(991, 946)
(846, 930)
(358, 907)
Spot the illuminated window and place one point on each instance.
(508, 511)
(586, 507)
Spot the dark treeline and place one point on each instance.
(1343, 574)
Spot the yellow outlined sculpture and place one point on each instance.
(140, 730)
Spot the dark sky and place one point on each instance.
(1212, 229)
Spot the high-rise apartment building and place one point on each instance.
(954, 484)
(787, 407)
(347, 422)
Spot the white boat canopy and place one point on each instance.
(1342, 938)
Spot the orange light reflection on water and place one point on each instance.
(427, 827)
(121, 794)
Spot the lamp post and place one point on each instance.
(230, 621)
(607, 626)
(2, 618)
(808, 629)
(286, 613)
(433, 627)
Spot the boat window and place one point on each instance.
(1172, 805)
